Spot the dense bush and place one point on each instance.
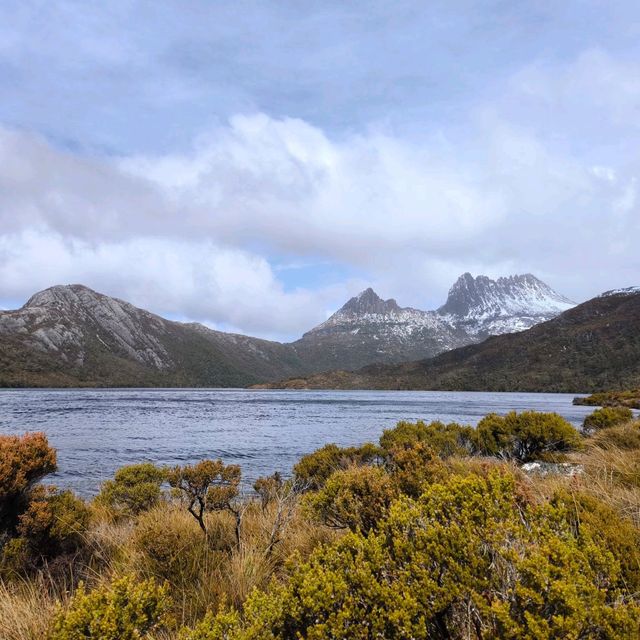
(413, 467)
(170, 546)
(606, 417)
(127, 609)
(525, 436)
(54, 524)
(135, 488)
(24, 460)
(356, 498)
(444, 439)
(313, 470)
(465, 560)
(593, 519)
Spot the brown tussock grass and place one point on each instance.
(26, 609)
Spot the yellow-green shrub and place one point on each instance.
(356, 498)
(134, 488)
(413, 466)
(126, 609)
(443, 439)
(525, 436)
(593, 519)
(605, 418)
(313, 470)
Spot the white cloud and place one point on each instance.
(224, 288)
(195, 234)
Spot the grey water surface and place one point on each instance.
(98, 430)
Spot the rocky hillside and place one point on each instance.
(594, 346)
(71, 335)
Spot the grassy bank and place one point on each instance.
(629, 398)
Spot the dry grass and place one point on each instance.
(26, 610)
(613, 475)
(166, 544)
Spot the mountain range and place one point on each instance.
(592, 347)
(73, 336)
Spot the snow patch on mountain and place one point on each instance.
(621, 292)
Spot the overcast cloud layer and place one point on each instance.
(252, 165)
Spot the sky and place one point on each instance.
(252, 165)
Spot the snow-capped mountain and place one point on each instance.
(620, 292)
(368, 329)
(482, 306)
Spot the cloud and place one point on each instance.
(225, 288)
(538, 178)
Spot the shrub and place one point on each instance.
(127, 609)
(24, 460)
(466, 558)
(593, 519)
(267, 488)
(54, 523)
(209, 485)
(526, 436)
(314, 469)
(170, 546)
(135, 488)
(606, 417)
(444, 439)
(412, 467)
(356, 498)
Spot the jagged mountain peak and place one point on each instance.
(482, 297)
(369, 302)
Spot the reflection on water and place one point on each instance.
(98, 430)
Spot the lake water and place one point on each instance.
(96, 431)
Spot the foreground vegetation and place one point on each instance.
(434, 532)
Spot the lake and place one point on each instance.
(98, 430)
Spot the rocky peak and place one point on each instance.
(369, 302)
(61, 295)
(508, 296)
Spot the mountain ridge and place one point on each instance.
(71, 335)
(594, 346)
